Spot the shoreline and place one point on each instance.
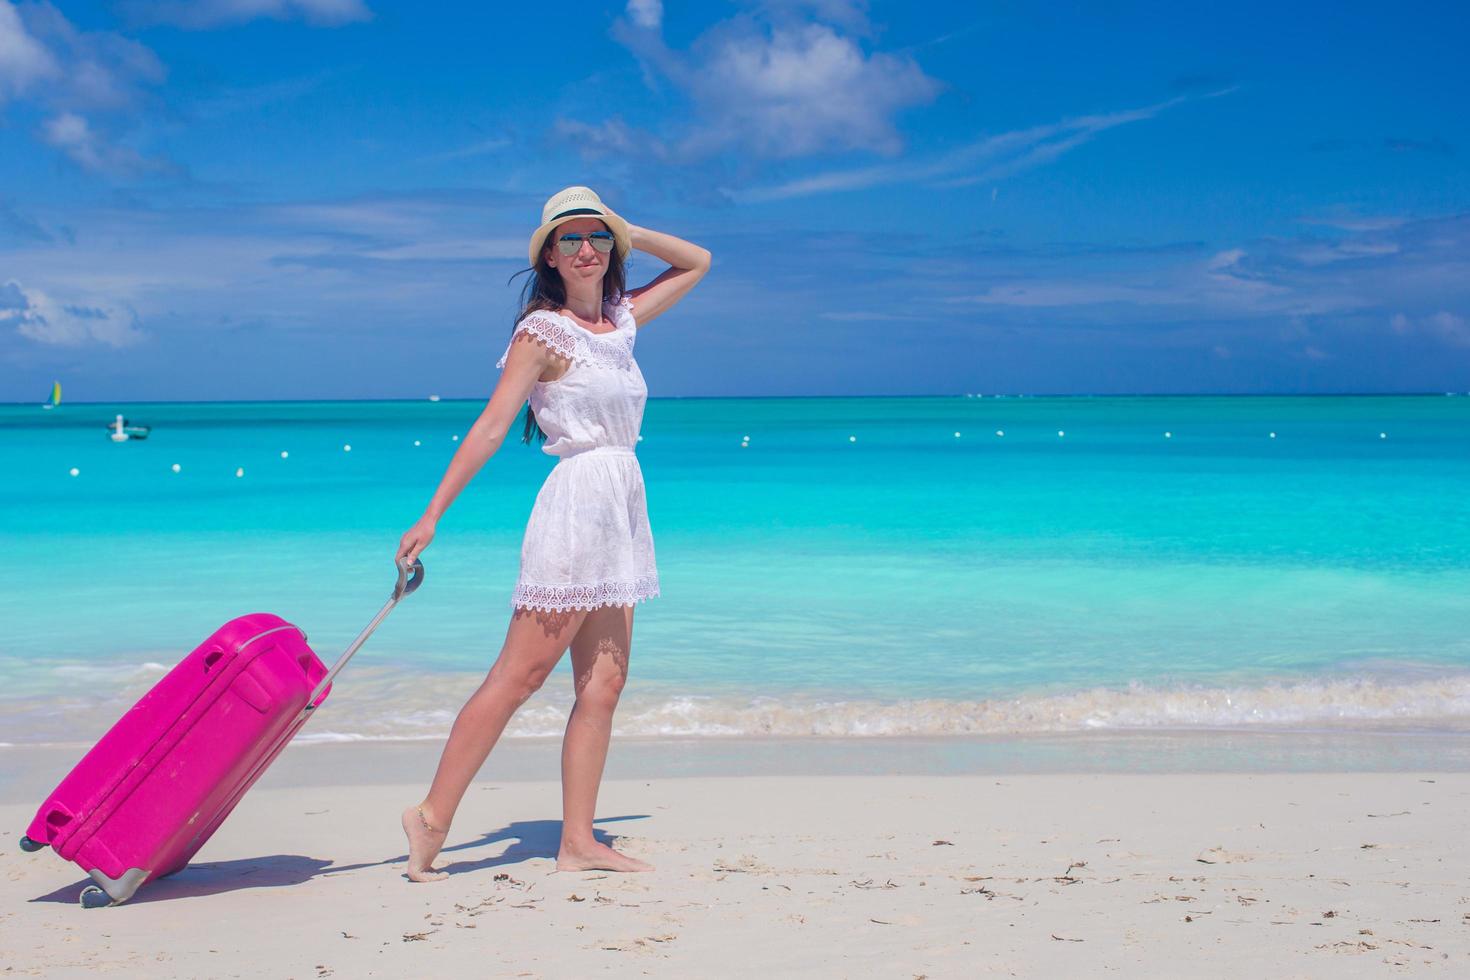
(388, 703)
(28, 772)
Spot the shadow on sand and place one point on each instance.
(531, 839)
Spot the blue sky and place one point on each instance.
(325, 198)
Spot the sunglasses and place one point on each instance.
(603, 241)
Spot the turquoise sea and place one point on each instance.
(863, 567)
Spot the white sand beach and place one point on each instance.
(1279, 874)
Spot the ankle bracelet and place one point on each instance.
(425, 821)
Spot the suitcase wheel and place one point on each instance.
(28, 845)
(93, 897)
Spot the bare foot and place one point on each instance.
(424, 842)
(596, 857)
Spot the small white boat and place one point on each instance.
(120, 431)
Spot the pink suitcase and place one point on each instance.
(162, 780)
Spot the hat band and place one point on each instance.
(576, 211)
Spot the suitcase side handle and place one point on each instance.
(410, 577)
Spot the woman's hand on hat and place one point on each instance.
(687, 265)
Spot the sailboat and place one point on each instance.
(55, 396)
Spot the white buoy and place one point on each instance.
(1168, 435)
(1000, 432)
(417, 443)
(239, 471)
(956, 435)
(1383, 435)
(1060, 433)
(455, 438)
(285, 455)
(176, 467)
(75, 471)
(640, 438)
(347, 448)
(852, 438)
(1273, 435)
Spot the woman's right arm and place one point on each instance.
(525, 363)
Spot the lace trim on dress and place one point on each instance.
(624, 305)
(560, 598)
(575, 343)
(621, 310)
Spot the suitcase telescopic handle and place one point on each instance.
(406, 585)
(410, 577)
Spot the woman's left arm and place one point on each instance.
(687, 265)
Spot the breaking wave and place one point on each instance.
(384, 703)
(1439, 704)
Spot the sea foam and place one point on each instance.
(391, 703)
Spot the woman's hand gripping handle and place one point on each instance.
(415, 540)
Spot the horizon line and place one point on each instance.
(975, 395)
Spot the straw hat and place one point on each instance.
(579, 202)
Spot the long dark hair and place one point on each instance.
(544, 290)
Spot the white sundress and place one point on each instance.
(588, 543)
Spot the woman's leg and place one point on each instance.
(534, 643)
(600, 665)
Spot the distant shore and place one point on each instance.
(652, 397)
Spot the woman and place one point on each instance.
(587, 556)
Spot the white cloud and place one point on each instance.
(1406, 282)
(987, 159)
(804, 90)
(611, 136)
(204, 14)
(100, 75)
(70, 133)
(1052, 293)
(285, 263)
(493, 144)
(453, 250)
(39, 317)
(1225, 259)
(403, 219)
(23, 59)
(1356, 223)
(72, 76)
(867, 316)
(74, 136)
(1451, 328)
(783, 89)
(99, 70)
(648, 14)
(1323, 253)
